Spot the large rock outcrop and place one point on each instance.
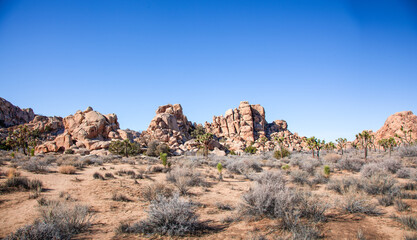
(89, 130)
(246, 125)
(11, 115)
(393, 124)
(169, 125)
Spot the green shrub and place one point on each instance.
(285, 167)
(278, 154)
(326, 170)
(232, 152)
(155, 148)
(69, 151)
(250, 149)
(164, 159)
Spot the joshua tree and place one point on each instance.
(407, 138)
(341, 143)
(220, 168)
(315, 144)
(279, 141)
(383, 143)
(124, 148)
(329, 146)
(22, 138)
(391, 143)
(204, 139)
(364, 140)
(311, 144)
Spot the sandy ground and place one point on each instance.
(17, 210)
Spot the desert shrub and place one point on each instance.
(120, 197)
(350, 164)
(310, 165)
(299, 176)
(386, 200)
(67, 169)
(152, 191)
(155, 148)
(409, 186)
(404, 172)
(407, 220)
(400, 205)
(379, 184)
(224, 206)
(271, 197)
(371, 169)
(244, 166)
(285, 167)
(69, 151)
(305, 231)
(167, 216)
(22, 183)
(343, 185)
(319, 178)
(58, 221)
(354, 202)
(278, 154)
(326, 170)
(184, 178)
(97, 175)
(332, 157)
(109, 175)
(408, 151)
(12, 172)
(391, 165)
(35, 165)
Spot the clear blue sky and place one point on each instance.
(329, 68)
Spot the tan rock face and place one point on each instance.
(169, 125)
(393, 125)
(89, 129)
(11, 115)
(247, 124)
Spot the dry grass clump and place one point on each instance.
(407, 220)
(120, 198)
(167, 216)
(67, 169)
(58, 220)
(12, 172)
(152, 191)
(97, 175)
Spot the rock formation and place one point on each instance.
(170, 126)
(246, 124)
(11, 115)
(89, 130)
(393, 124)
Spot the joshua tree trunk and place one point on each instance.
(313, 152)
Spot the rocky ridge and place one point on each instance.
(86, 131)
(393, 124)
(11, 115)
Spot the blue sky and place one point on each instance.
(330, 68)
